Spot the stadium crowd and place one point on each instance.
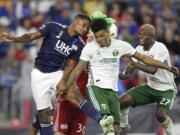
(25, 16)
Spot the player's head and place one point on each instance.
(101, 32)
(81, 24)
(146, 34)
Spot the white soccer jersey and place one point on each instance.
(104, 62)
(162, 80)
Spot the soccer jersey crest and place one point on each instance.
(115, 52)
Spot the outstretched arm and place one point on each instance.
(151, 62)
(132, 66)
(146, 68)
(20, 39)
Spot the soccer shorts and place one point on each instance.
(69, 119)
(106, 101)
(144, 94)
(43, 85)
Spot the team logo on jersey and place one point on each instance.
(60, 34)
(115, 52)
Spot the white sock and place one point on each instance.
(168, 126)
(124, 117)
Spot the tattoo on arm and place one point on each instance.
(68, 69)
(76, 72)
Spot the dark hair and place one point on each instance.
(82, 16)
(99, 24)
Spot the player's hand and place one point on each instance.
(6, 37)
(61, 88)
(175, 71)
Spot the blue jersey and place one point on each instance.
(57, 47)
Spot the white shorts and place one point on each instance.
(43, 86)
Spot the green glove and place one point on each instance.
(110, 21)
(98, 15)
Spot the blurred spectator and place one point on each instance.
(25, 26)
(44, 5)
(170, 41)
(25, 8)
(5, 7)
(38, 20)
(126, 36)
(63, 17)
(94, 5)
(76, 9)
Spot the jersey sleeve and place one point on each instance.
(128, 49)
(45, 29)
(85, 55)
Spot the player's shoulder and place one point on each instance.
(118, 43)
(91, 45)
(80, 42)
(139, 47)
(54, 25)
(160, 46)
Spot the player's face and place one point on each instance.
(81, 26)
(102, 38)
(144, 38)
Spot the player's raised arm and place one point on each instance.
(21, 39)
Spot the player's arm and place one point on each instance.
(68, 69)
(132, 66)
(20, 39)
(76, 72)
(145, 68)
(128, 72)
(151, 62)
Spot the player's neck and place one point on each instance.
(148, 46)
(71, 32)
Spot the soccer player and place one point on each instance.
(67, 114)
(60, 43)
(103, 56)
(68, 119)
(160, 87)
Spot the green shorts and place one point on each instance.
(144, 94)
(106, 101)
